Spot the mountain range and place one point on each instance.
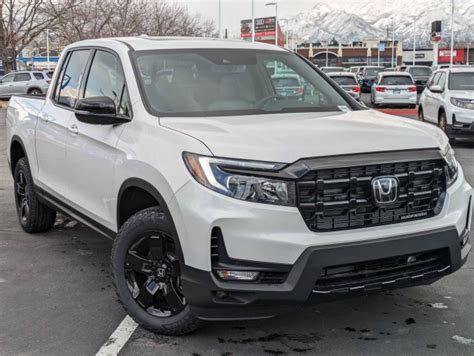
(347, 21)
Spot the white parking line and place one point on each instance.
(119, 338)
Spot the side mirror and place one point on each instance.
(436, 89)
(99, 110)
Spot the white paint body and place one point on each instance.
(393, 94)
(432, 103)
(86, 170)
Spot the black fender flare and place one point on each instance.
(16, 139)
(150, 189)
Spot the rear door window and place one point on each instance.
(68, 89)
(38, 75)
(396, 80)
(345, 80)
(22, 77)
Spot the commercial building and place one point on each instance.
(360, 53)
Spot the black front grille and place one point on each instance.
(376, 274)
(341, 198)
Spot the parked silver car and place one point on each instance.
(33, 83)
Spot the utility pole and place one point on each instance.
(414, 42)
(393, 45)
(219, 17)
(451, 60)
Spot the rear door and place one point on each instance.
(91, 149)
(21, 82)
(52, 128)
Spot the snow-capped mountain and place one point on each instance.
(348, 20)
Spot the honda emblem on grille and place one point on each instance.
(385, 190)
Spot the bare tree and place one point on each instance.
(22, 21)
(111, 18)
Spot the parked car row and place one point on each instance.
(25, 82)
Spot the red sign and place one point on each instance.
(444, 55)
(264, 26)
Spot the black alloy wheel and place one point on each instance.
(153, 277)
(22, 197)
(147, 270)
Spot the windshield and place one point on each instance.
(372, 72)
(420, 72)
(203, 82)
(396, 80)
(344, 80)
(461, 81)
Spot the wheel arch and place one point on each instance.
(149, 197)
(17, 151)
(33, 88)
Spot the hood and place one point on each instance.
(462, 94)
(286, 138)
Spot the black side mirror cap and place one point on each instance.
(99, 110)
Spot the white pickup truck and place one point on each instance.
(226, 200)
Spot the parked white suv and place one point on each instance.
(394, 88)
(448, 101)
(227, 200)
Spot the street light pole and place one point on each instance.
(451, 60)
(274, 3)
(414, 42)
(47, 47)
(253, 20)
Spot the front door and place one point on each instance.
(91, 149)
(53, 123)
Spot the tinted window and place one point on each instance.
(230, 82)
(22, 77)
(38, 76)
(420, 72)
(396, 80)
(71, 78)
(106, 78)
(282, 82)
(372, 72)
(7, 78)
(345, 80)
(461, 81)
(435, 79)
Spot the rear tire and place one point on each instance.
(33, 215)
(149, 293)
(35, 92)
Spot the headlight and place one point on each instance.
(222, 176)
(463, 103)
(452, 165)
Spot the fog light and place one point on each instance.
(238, 275)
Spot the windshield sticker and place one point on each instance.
(343, 108)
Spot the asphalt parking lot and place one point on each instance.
(56, 298)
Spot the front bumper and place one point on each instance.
(212, 299)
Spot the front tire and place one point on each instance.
(146, 274)
(442, 123)
(33, 215)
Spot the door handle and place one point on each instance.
(73, 129)
(44, 117)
